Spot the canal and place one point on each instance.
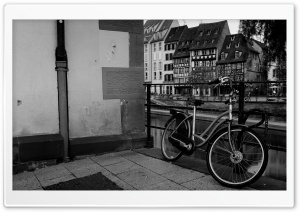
(276, 167)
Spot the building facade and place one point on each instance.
(77, 87)
(182, 61)
(208, 42)
(171, 43)
(155, 57)
(239, 60)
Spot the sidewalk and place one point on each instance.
(127, 170)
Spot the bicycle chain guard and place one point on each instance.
(183, 143)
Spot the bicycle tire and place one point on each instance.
(170, 152)
(248, 165)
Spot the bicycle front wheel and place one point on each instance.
(169, 151)
(241, 167)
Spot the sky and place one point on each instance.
(233, 24)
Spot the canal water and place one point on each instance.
(276, 167)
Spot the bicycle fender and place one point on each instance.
(177, 115)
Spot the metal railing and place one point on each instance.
(249, 92)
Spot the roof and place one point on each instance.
(175, 34)
(208, 35)
(185, 43)
(162, 32)
(150, 27)
(239, 43)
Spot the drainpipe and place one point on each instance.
(62, 69)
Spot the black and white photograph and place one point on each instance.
(133, 108)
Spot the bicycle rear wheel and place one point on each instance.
(242, 167)
(169, 151)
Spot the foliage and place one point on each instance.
(273, 34)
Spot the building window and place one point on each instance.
(201, 33)
(237, 45)
(232, 38)
(222, 56)
(213, 40)
(154, 47)
(240, 53)
(160, 75)
(154, 66)
(236, 55)
(146, 66)
(228, 46)
(159, 46)
(155, 75)
(167, 56)
(208, 32)
(146, 76)
(160, 66)
(173, 46)
(212, 51)
(217, 30)
(205, 41)
(226, 54)
(145, 48)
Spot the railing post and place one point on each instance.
(149, 143)
(241, 102)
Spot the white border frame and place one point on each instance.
(146, 198)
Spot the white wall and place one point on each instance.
(89, 49)
(35, 96)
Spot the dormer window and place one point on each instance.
(232, 38)
(201, 33)
(228, 46)
(236, 55)
(222, 56)
(205, 41)
(213, 40)
(240, 54)
(217, 30)
(237, 45)
(208, 32)
(198, 43)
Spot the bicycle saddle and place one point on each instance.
(196, 102)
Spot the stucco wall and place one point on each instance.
(89, 49)
(35, 97)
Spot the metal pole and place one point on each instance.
(149, 143)
(241, 102)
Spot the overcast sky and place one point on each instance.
(233, 24)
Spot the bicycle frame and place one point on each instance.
(201, 136)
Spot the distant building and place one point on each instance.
(182, 60)
(208, 42)
(155, 35)
(150, 27)
(239, 60)
(171, 43)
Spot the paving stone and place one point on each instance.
(183, 175)
(141, 178)
(118, 181)
(158, 166)
(121, 167)
(137, 158)
(83, 168)
(26, 181)
(53, 175)
(205, 183)
(166, 185)
(108, 159)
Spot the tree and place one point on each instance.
(273, 34)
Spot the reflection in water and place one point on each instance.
(276, 167)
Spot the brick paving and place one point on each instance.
(126, 170)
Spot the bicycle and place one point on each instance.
(236, 156)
